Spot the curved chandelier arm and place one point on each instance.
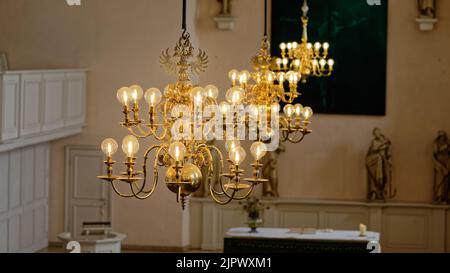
(155, 172)
(119, 193)
(150, 132)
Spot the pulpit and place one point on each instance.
(284, 240)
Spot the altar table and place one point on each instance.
(284, 240)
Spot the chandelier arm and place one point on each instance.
(224, 192)
(221, 202)
(119, 193)
(144, 170)
(250, 191)
(151, 132)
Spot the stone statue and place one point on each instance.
(226, 7)
(270, 172)
(427, 8)
(441, 158)
(379, 168)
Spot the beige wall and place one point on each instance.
(119, 41)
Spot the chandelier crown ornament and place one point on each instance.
(181, 125)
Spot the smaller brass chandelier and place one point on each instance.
(305, 58)
(264, 89)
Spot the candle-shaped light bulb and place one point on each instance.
(285, 61)
(309, 45)
(123, 95)
(130, 145)
(283, 46)
(177, 150)
(326, 46)
(289, 110)
(237, 155)
(109, 147)
(307, 113)
(153, 96)
(322, 63)
(315, 63)
(281, 77)
(212, 91)
(136, 93)
(294, 45)
(298, 109)
(289, 46)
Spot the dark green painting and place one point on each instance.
(357, 33)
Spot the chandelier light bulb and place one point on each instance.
(307, 113)
(232, 144)
(130, 145)
(197, 95)
(283, 46)
(317, 45)
(224, 107)
(235, 95)
(297, 63)
(237, 155)
(153, 96)
(294, 45)
(136, 93)
(123, 95)
(326, 46)
(177, 150)
(244, 76)
(322, 62)
(212, 91)
(233, 75)
(315, 62)
(258, 150)
(281, 77)
(285, 61)
(298, 109)
(309, 46)
(109, 147)
(289, 46)
(289, 110)
(276, 107)
(331, 63)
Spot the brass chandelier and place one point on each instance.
(305, 58)
(265, 88)
(176, 122)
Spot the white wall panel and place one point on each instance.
(10, 106)
(31, 104)
(53, 101)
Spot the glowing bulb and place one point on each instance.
(279, 61)
(289, 110)
(136, 93)
(292, 77)
(224, 107)
(233, 75)
(323, 62)
(244, 76)
(281, 77)
(331, 63)
(123, 95)
(235, 95)
(177, 150)
(212, 91)
(232, 144)
(237, 155)
(258, 150)
(315, 62)
(326, 46)
(130, 145)
(109, 147)
(297, 63)
(289, 46)
(317, 46)
(294, 45)
(283, 46)
(285, 61)
(153, 96)
(298, 108)
(197, 94)
(276, 107)
(307, 113)
(270, 76)
(309, 46)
